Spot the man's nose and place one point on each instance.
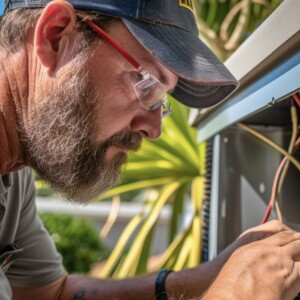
(148, 124)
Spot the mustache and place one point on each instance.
(130, 140)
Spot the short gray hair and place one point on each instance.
(15, 25)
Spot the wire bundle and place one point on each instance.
(288, 158)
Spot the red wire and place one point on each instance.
(297, 99)
(271, 203)
(272, 200)
(275, 182)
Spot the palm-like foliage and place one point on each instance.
(174, 167)
(225, 24)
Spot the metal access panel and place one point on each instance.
(242, 173)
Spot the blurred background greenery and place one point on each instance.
(77, 240)
(225, 24)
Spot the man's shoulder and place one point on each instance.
(21, 177)
(17, 185)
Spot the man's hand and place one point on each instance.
(263, 263)
(251, 235)
(268, 268)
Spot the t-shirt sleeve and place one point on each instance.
(39, 263)
(5, 290)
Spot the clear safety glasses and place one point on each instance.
(149, 89)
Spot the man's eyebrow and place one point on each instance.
(162, 77)
(164, 80)
(160, 74)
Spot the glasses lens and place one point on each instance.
(152, 94)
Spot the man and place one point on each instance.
(78, 91)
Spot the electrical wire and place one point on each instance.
(282, 177)
(270, 143)
(271, 203)
(297, 99)
(284, 165)
(278, 211)
(295, 131)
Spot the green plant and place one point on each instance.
(76, 240)
(173, 167)
(42, 187)
(225, 24)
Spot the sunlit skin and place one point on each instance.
(41, 72)
(112, 79)
(82, 164)
(120, 109)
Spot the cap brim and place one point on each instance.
(203, 79)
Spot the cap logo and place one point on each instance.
(187, 4)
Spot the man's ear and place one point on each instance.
(55, 23)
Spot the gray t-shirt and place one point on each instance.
(39, 263)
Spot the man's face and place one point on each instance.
(81, 128)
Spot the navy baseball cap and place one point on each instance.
(168, 30)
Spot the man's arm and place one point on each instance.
(80, 287)
(266, 263)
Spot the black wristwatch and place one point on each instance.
(160, 289)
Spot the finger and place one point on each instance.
(267, 229)
(293, 250)
(273, 226)
(283, 238)
(263, 231)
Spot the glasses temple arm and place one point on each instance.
(103, 34)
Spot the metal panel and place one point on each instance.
(214, 203)
(243, 170)
(269, 89)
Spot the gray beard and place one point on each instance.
(57, 138)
